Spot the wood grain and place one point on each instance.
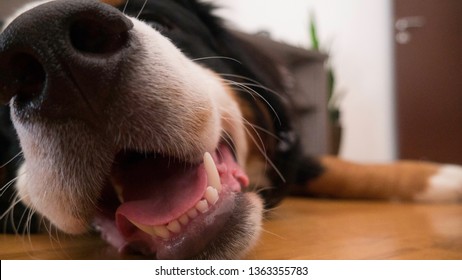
(304, 229)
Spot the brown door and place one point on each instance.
(428, 50)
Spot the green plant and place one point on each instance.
(333, 102)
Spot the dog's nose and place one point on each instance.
(61, 59)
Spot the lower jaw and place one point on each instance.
(199, 233)
(188, 244)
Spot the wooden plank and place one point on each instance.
(304, 229)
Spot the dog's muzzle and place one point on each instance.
(122, 132)
(64, 64)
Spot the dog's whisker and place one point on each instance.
(262, 129)
(17, 224)
(44, 221)
(264, 218)
(26, 229)
(241, 88)
(254, 128)
(12, 159)
(51, 236)
(10, 209)
(239, 77)
(47, 225)
(253, 83)
(253, 92)
(7, 186)
(261, 188)
(10, 213)
(217, 57)
(260, 146)
(274, 234)
(238, 87)
(41, 222)
(231, 123)
(28, 225)
(261, 143)
(125, 7)
(57, 240)
(249, 124)
(15, 201)
(229, 140)
(22, 220)
(142, 9)
(263, 87)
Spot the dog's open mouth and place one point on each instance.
(162, 206)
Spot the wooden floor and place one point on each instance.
(305, 229)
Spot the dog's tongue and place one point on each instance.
(157, 190)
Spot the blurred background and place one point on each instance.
(357, 35)
(397, 67)
(8, 6)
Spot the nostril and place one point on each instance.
(50, 54)
(90, 36)
(25, 79)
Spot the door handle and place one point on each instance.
(402, 25)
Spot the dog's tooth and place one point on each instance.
(157, 231)
(202, 206)
(212, 172)
(184, 219)
(145, 228)
(192, 213)
(174, 226)
(161, 231)
(211, 195)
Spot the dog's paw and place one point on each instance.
(443, 186)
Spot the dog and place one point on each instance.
(153, 124)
